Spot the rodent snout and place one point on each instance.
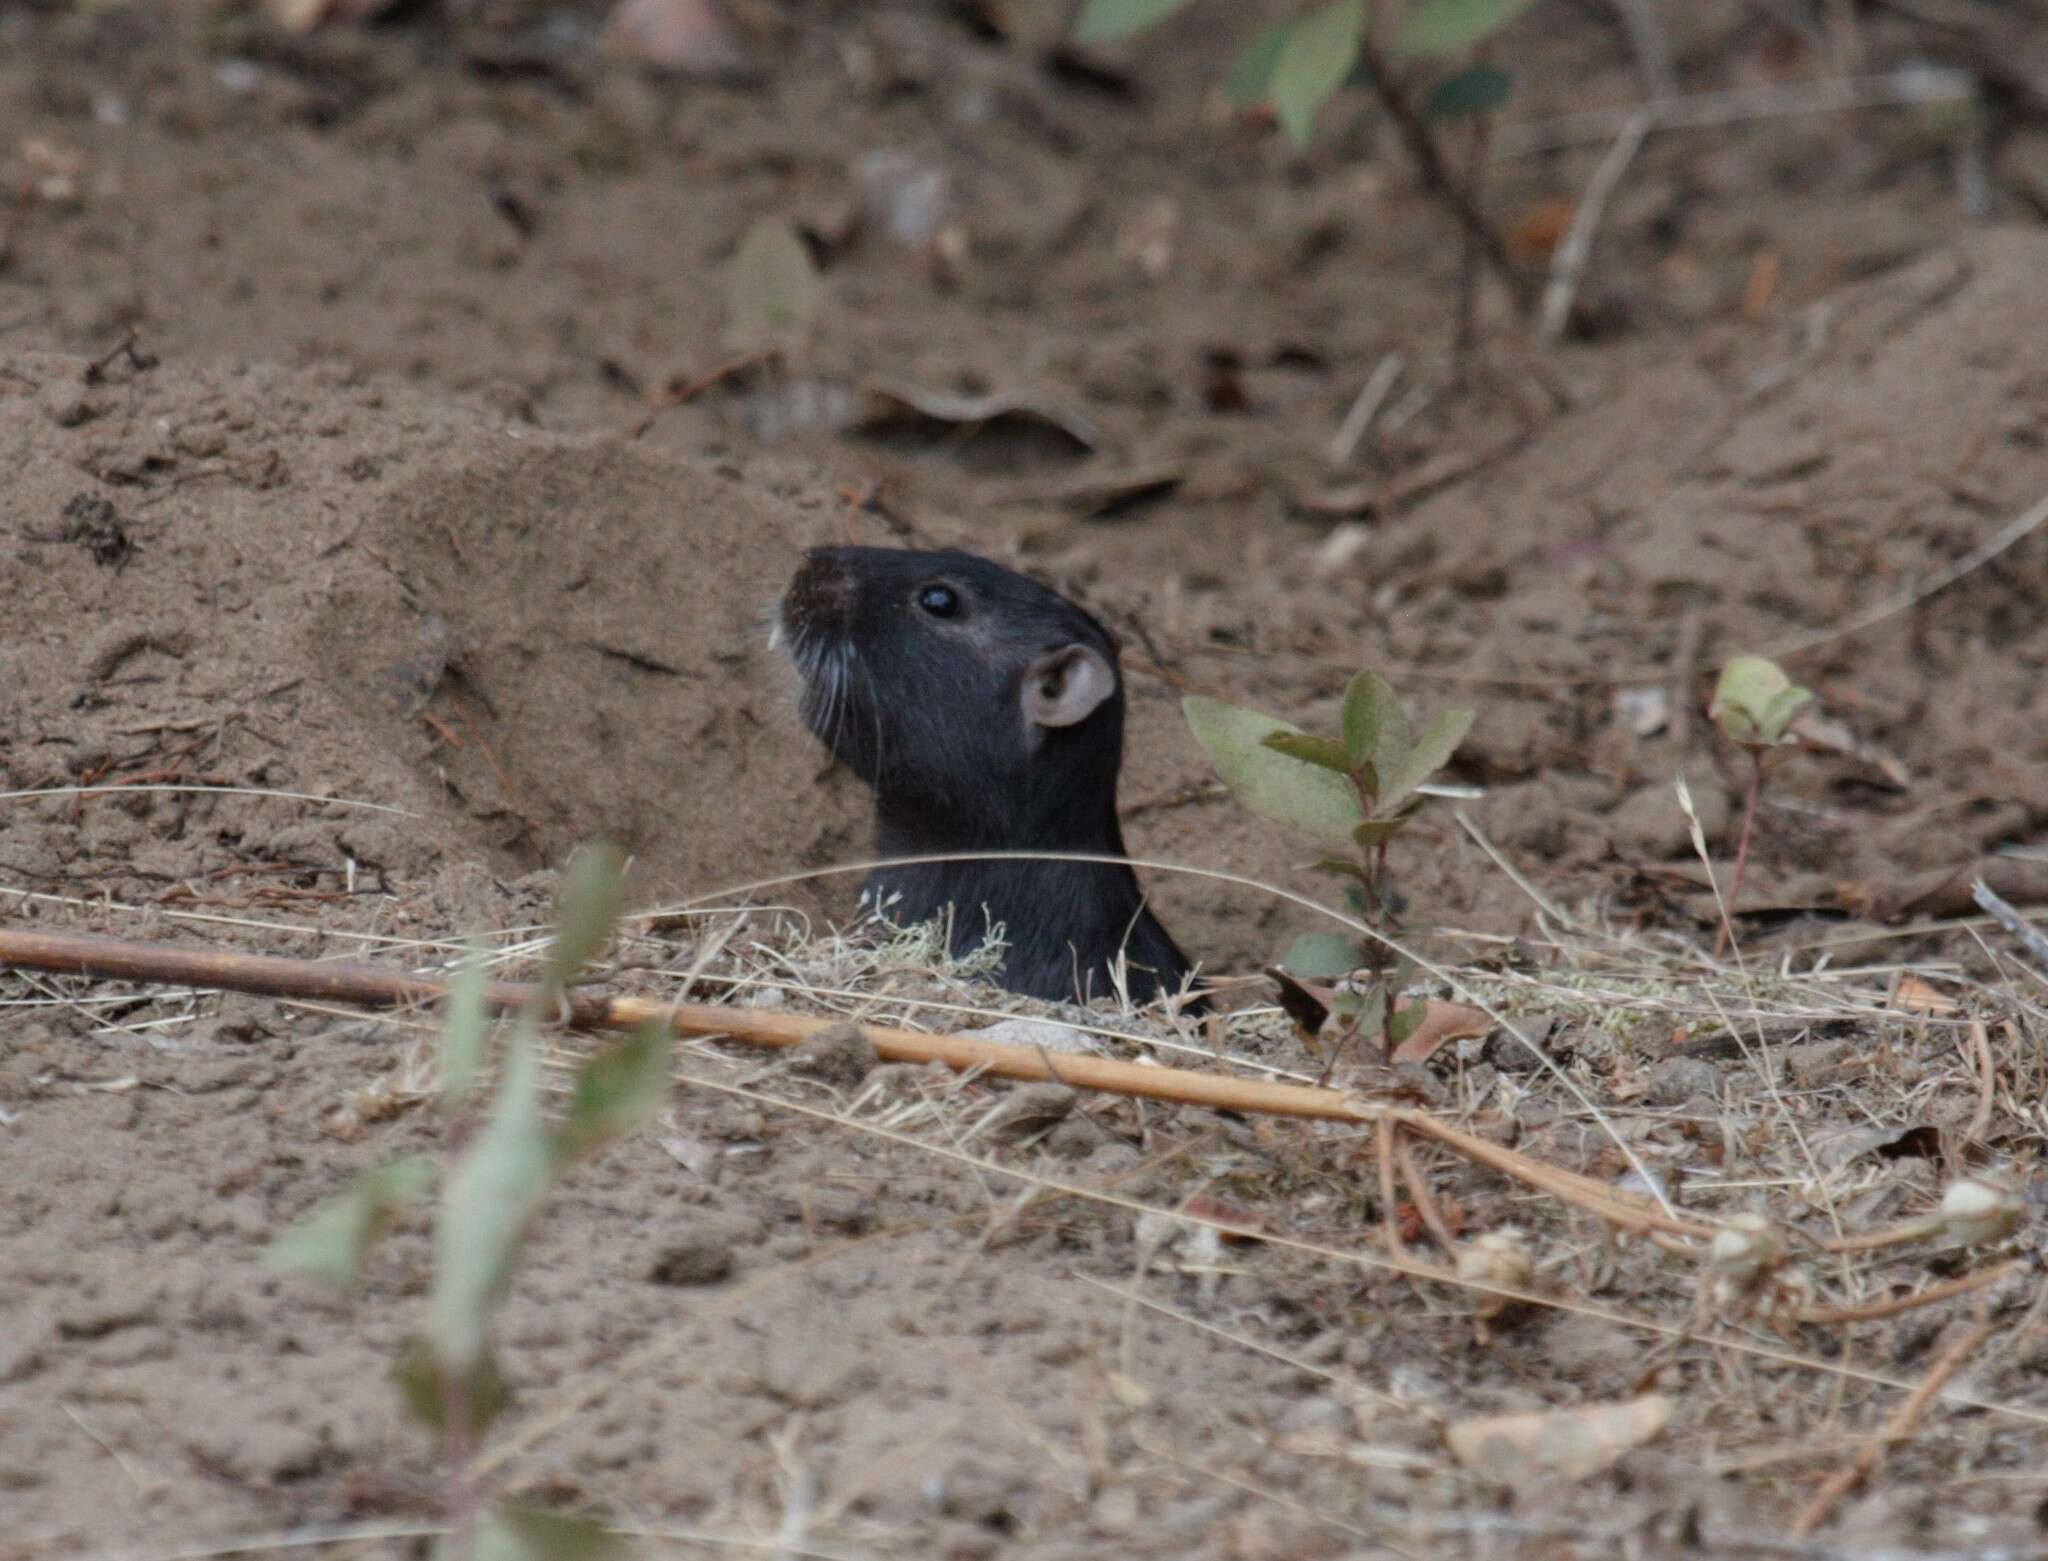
(820, 596)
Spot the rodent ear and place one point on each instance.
(1066, 686)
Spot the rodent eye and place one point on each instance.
(941, 601)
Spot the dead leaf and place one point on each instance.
(1915, 996)
(1308, 1006)
(1102, 495)
(1834, 1148)
(1441, 1022)
(887, 402)
(1824, 734)
(1565, 1444)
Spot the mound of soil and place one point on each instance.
(486, 642)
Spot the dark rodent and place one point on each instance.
(987, 714)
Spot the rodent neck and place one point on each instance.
(919, 831)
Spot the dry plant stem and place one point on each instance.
(1575, 251)
(1876, 1311)
(1749, 801)
(369, 987)
(1896, 1428)
(1425, 1201)
(1438, 179)
(2017, 927)
(1987, 1084)
(1389, 1214)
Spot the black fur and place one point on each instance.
(929, 711)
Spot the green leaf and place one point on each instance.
(425, 1388)
(615, 1091)
(592, 890)
(1250, 81)
(510, 1533)
(772, 288)
(1347, 1006)
(465, 1027)
(1405, 1022)
(1372, 1009)
(1446, 26)
(1375, 729)
(1314, 58)
(1320, 956)
(1377, 831)
(1779, 712)
(333, 1242)
(1300, 796)
(1310, 750)
(487, 1203)
(1754, 701)
(1470, 93)
(1342, 866)
(1105, 21)
(1431, 751)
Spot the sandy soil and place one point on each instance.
(380, 572)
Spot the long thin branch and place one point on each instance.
(368, 986)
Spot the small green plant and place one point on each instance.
(1754, 704)
(503, 1162)
(1358, 791)
(1295, 66)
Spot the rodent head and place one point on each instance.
(984, 709)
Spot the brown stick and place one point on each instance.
(371, 987)
(368, 986)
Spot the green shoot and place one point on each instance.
(1754, 703)
(493, 1188)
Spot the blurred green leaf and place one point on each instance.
(772, 286)
(421, 1383)
(1105, 21)
(615, 1091)
(1301, 796)
(512, 1533)
(1314, 58)
(1754, 701)
(1250, 81)
(1375, 729)
(1343, 867)
(1431, 751)
(465, 1027)
(1320, 956)
(1480, 90)
(1372, 1009)
(333, 1242)
(1377, 831)
(593, 887)
(1347, 1006)
(1310, 750)
(1446, 26)
(486, 1204)
(1405, 1022)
